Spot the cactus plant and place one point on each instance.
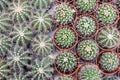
(18, 57)
(21, 35)
(86, 6)
(89, 72)
(66, 62)
(4, 70)
(108, 61)
(3, 4)
(41, 4)
(42, 22)
(87, 49)
(65, 78)
(41, 70)
(86, 26)
(42, 45)
(20, 11)
(106, 14)
(108, 38)
(5, 44)
(64, 14)
(64, 37)
(111, 78)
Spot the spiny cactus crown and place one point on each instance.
(86, 26)
(87, 49)
(108, 61)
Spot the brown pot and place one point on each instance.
(117, 13)
(104, 72)
(69, 74)
(96, 22)
(76, 38)
(107, 49)
(84, 65)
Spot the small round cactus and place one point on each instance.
(5, 44)
(64, 14)
(21, 35)
(89, 72)
(20, 11)
(66, 62)
(87, 49)
(86, 26)
(111, 78)
(42, 45)
(106, 14)
(64, 37)
(3, 4)
(42, 22)
(41, 4)
(41, 70)
(65, 78)
(108, 38)
(108, 61)
(18, 57)
(86, 6)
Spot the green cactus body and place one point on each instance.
(86, 5)
(19, 76)
(65, 78)
(20, 11)
(18, 57)
(65, 37)
(5, 44)
(21, 35)
(3, 4)
(89, 72)
(41, 4)
(106, 14)
(108, 38)
(64, 14)
(42, 22)
(42, 45)
(66, 62)
(110, 78)
(108, 61)
(86, 26)
(87, 49)
(41, 70)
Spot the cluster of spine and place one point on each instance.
(86, 26)
(111, 78)
(3, 4)
(87, 49)
(66, 62)
(65, 37)
(108, 61)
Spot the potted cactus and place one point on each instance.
(87, 6)
(107, 38)
(107, 14)
(65, 38)
(108, 62)
(112, 77)
(87, 50)
(86, 26)
(64, 14)
(66, 63)
(89, 71)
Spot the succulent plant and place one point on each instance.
(40, 4)
(86, 5)
(18, 57)
(106, 14)
(42, 45)
(66, 62)
(87, 49)
(108, 61)
(41, 70)
(86, 26)
(64, 14)
(4, 70)
(20, 11)
(65, 78)
(5, 44)
(21, 35)
(65, 37)
(89, 72)
(108, 38)
(3, 4)
(111, 78)
(42, 22)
